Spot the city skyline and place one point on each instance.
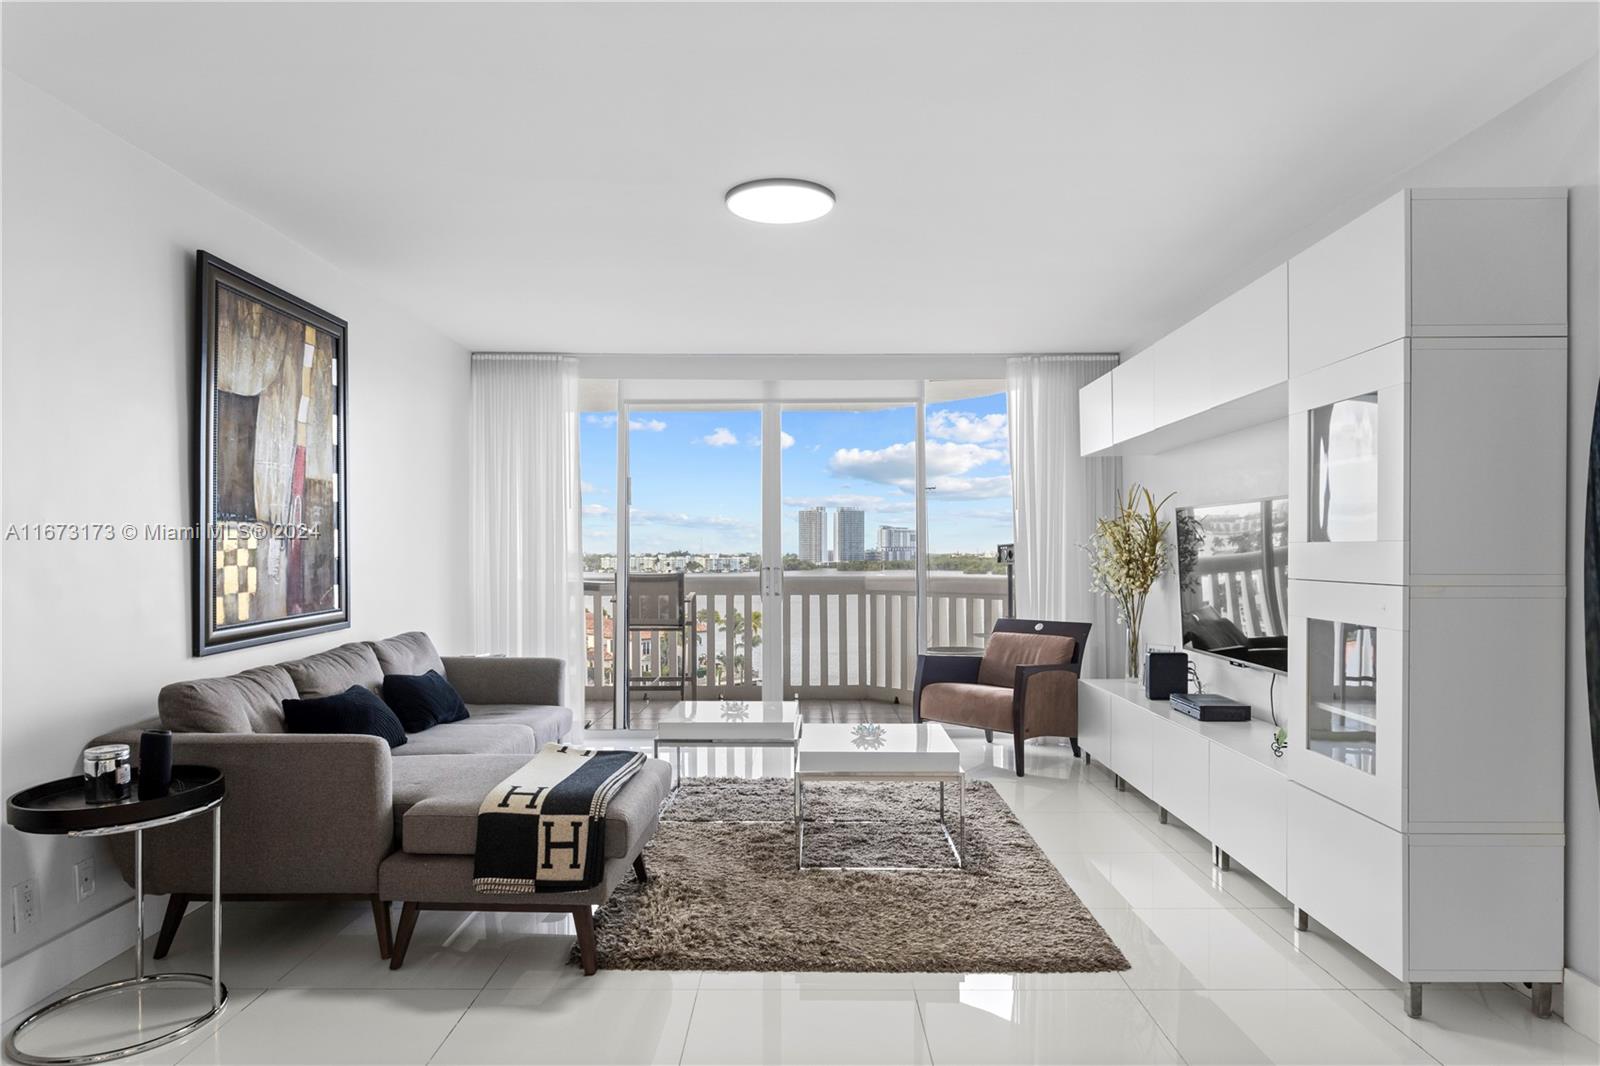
(696, 477)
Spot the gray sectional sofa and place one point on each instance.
(315, 816)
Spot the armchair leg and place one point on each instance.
(1017, 742)
(639, 870)
(988, 736)
(177, 904)
(1076, 751)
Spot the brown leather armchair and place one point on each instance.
(1025, 684)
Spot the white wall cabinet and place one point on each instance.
(1224, 370)
(1432, 263)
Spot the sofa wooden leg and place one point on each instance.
(988, 736)
(1076, 751)
(402, 941)
(380, 918)
(583, 918)
(1018, 739)
(177, 904)
(638, 869)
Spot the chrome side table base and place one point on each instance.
(219, 991)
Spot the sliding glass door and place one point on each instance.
(695, 618)
(849, 540)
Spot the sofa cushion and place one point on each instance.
(465, 738)
(408, 653)
(1007, 651)
(248, 702)
(436, 802)
(423, 701)
(356, 711)
(548, 723)
(984, 706)
(331, 672)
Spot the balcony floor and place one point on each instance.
(647, 712)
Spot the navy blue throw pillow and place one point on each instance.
(356, 710)
(422, 701)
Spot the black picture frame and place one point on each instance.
(233, 529)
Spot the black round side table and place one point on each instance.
(59, 808)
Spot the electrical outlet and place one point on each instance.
(84, 873)
(24, 906)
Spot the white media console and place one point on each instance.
(1418, 357)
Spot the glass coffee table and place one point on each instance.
(888, 752)
(729, 723)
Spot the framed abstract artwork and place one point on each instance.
(270, 550)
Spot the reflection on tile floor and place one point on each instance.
(1219, 974)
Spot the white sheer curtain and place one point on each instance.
(526, 537)
(1057, 496)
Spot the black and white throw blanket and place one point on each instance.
(543, 829)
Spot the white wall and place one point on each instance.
(1552, 138)
(99, 243)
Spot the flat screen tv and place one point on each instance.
(1233, 581)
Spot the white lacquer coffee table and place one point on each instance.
(729, 723)
(889, 752)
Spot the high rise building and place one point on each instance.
(897, 544)
(813, 534)
(849, 535)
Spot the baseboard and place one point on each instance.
(1579, 1004)
(30, 979)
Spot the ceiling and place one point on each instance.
(1074, 177)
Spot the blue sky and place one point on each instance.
(697, 474)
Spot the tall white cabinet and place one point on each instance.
(1420, 357)
(1427, 400)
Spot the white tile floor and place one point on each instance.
(1219, 975)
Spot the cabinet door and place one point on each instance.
(1133, 397)
(1094, 722)
(1183, 774)
(1347, 292)
(1133, 760)
(1095, 425)
(1348, 872)
(1237, 347)
(1347, 694)
(1246, 813)
(1488, 262)
(1509, 527)
(1485, 907)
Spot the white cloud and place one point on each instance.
(966, 427)
(788, 440)
(588, 488)
(721, 437)
(680, 520)
(647, 425)
(876, 504)
(969, 488)
(596, 509)
(897, 464)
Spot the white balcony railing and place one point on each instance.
(851, 635)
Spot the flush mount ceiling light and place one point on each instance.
(780, 201)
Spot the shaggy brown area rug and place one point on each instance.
(724, 893)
